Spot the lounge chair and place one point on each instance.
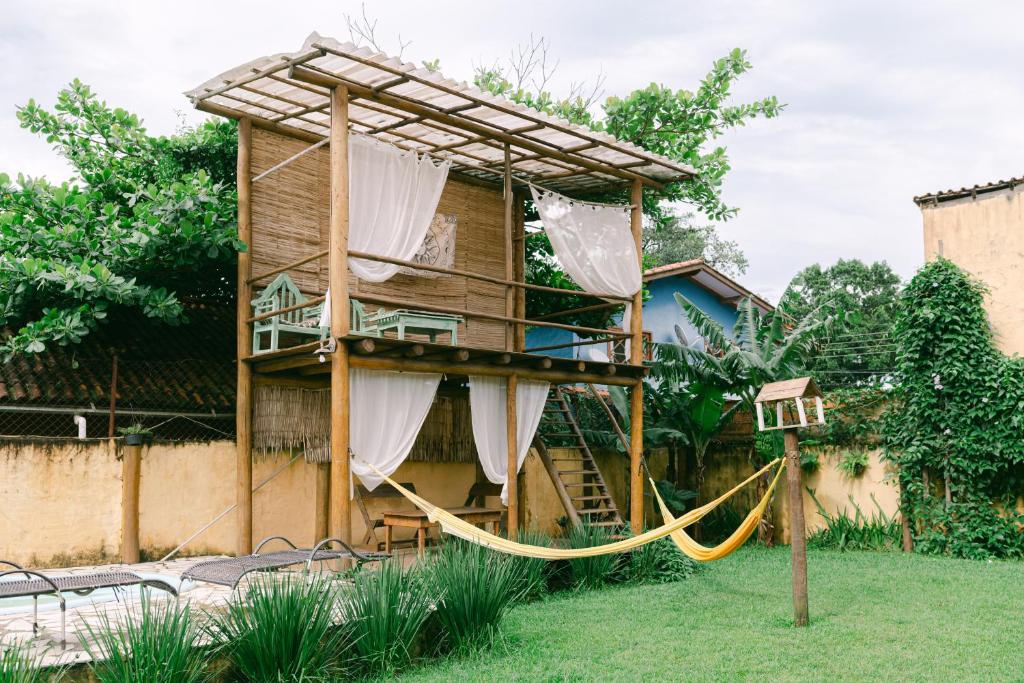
(36, 583)
(230, 571)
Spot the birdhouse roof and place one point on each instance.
(803, 387)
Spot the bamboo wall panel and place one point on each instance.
(286, 209)
(290, 219)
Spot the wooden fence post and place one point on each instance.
(131, 467)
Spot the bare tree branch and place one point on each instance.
(363, 31)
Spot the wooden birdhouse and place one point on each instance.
(792, 394)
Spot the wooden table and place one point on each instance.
(417, 519)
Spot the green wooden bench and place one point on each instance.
(282, 293)
(305, 320)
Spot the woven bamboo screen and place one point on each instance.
(288, 417)
(290, 221)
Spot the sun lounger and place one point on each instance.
(36, 583)
(230, 571)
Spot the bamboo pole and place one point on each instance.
(484, 278)
(432, 308)
(510, 328)
(511, 387)
(290, 266)
(797, 532)
(131, 467)
(243, 333)
(322, 502)
(341, 501)
(519, 270)
(636, 395)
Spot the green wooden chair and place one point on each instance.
(282, 293)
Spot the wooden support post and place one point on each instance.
(513, 469)
(908, 536)
(131, 467)
(519, 270)
(341, 499)
(243, 333)
(636, 402)
(797, 533)
(322, 502)
(510, 328)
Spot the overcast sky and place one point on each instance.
(885, 99)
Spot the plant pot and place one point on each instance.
(134, 439)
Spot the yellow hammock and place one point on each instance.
(735, 541)
(452, 525)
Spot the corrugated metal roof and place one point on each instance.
(422, 110)
(951, 194)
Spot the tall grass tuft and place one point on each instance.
(533, 572)
(385, 611)
(157, 642)
(659, 562)
(284, 630)
(596, 571)
(18, 666)
(474, 587)
(860, 532)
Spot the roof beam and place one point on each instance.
(315, 76)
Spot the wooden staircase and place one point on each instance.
(577, 480)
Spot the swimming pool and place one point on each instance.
(126, 594)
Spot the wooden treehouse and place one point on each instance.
(456, 307)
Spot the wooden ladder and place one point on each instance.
(585, 495)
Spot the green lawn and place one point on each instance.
(874, 616)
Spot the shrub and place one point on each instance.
(18, 666)
(475, 587)
(283, 630)
(658, 562)
(841, 532)
(385, 610)
(156, 642)
(809, 461)
(853, 463)
(596, 571)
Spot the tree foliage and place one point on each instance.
(956, 425)
(863, 349)
(146, 222)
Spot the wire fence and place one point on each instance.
(71, 398)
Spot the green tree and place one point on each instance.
(864, 349)
(145, 222)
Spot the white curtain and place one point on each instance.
(386, 411)
(593, 243)
(393, 195)
(487, 400)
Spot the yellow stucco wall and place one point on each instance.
(985, 236)
(61, 503)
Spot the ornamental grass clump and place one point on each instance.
(860, 532)
(157, 642)
(17, 665)
(596, 571)
(658, 562)
(534, 572)
(474, 587)
(284, 630)
(385, 611)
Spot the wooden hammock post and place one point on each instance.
(777, 395)
(243, 334)
(636, 395)
(512, 385)
(797, 531)
(341, 500)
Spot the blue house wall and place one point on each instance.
(661, 315)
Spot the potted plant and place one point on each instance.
(135, 435)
